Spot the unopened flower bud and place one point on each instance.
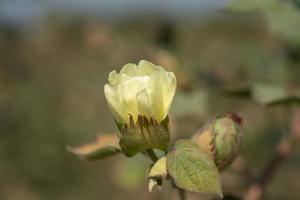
(222, 136)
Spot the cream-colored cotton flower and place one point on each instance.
(140, 90)
(140, 97)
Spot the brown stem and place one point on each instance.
(283, 150)
(257, 189)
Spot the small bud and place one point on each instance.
(140, 97)
(157, 173)
(222, 136)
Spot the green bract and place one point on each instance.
(157, 173)
(143, 134)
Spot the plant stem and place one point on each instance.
(152, 155)
(154, 158)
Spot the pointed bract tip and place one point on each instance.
(235, 117)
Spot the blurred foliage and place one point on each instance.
(131, 173)
(51, 87)
(281, 16)
(267, 94)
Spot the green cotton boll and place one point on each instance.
(227, 140)
(222, 137)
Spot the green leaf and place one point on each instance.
(238, 91)
(193, 169)
(272, 94)
(266, 94)
(157, 172)
(105, 145)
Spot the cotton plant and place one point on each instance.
(140, 97)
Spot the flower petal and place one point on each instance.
(147, 68)
(157, 96)
(128, 94)
(144, 103)
(163, 86)
(113, 103)
(169, 91)
(143, 89)
(129, 69)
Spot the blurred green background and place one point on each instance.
(53, 69)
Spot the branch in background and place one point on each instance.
(257, 189)
(283, 150)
